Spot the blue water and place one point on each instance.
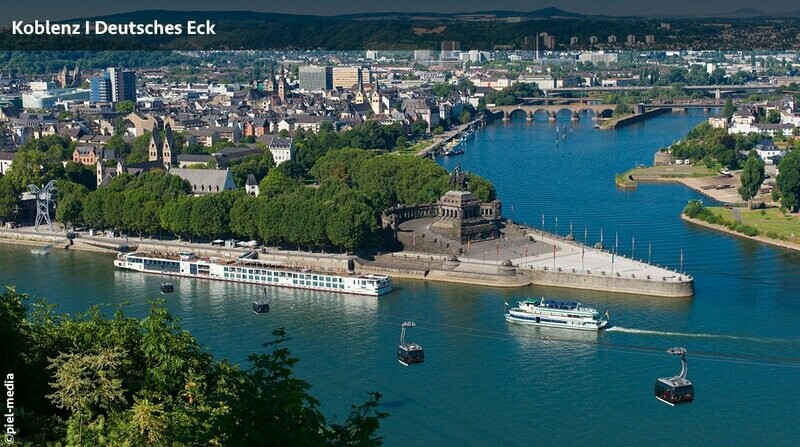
(488, 382)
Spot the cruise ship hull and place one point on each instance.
(264, 275)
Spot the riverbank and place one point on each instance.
(707, 181)
(758, 238)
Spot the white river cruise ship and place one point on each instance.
(563, 314)
(249, 269)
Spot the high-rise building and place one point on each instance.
(573, 40)
(346, 77)
(422, 55)
(593, 40)
(123, 84)
(631, 39)
(100, 88)
(612, 39)
(451, 50)
(650, 39)
(315, 78)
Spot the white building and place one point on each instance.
(597, 57)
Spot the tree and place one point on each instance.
(98, 380)
(8, 200)
(209, 217)
(752, 176)
(80, 174)
(419, 126)
(788, 180)
(773, 117)
(729, 109)
(124, 106)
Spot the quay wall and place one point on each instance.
(639, 117)
(619, 284)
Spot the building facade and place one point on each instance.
(314, 78)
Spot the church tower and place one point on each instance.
(282, 86)
(168, 150)
(153, 151)
(375, 98)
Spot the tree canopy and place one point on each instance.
(97, 380)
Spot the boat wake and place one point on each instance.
(691, 335)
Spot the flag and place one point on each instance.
(583, 251)
(554, 250)
(633, 245)
(467, 247)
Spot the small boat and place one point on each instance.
(40, 251)
(454, 152)
(725, 173)
(167, 287)
(596, 126)
(563, 314)
(260, 307)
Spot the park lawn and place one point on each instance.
(772, 222)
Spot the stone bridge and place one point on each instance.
(600, 110)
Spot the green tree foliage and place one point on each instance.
(123, 381)
(9, 196)
(69, 207)
(513, 94)
(258, 165)
(752, 176)
(729, 109)
(133, 203)
(139, 151)
(710, 144)
(773, 117)
(124, 107)
(442, 90)
(788, 180)
(80, 174)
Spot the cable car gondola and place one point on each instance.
(409, 353)
(261, 307)
(167, 287)
(675, 390)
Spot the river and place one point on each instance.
(488, 382)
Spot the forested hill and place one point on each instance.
(395, 31)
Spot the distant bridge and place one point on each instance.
(600, 110)
(718, 90)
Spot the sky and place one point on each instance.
(61, 9)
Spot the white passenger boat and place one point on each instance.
(249, 269)
(563, 314)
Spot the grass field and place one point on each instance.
(772, 224)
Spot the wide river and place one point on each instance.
(488, 382)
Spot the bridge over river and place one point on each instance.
(599, 110)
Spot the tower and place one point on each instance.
(168, 153)
(375, 98)
(153, 151)
(282, 86)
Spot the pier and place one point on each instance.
(523, 256)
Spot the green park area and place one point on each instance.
(767, 222)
